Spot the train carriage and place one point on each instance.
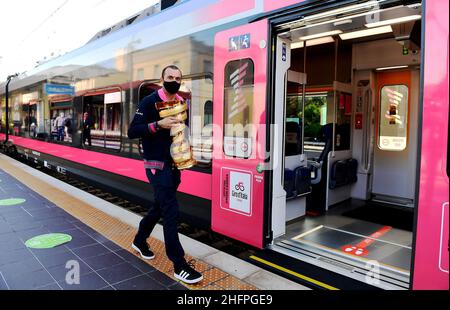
(320, 128)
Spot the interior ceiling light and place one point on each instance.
(296, 45)
(347, 20)
(365, 33)
(393, 21)
(347, 9)
(320, 35)
(318, 41)
(391, 68)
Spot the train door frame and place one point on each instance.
(272, 77)
(275, 20)
(425, 275)
(281, 210)
(239, 166)
(384, 79)
(32, 105)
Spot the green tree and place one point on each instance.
(313, 106)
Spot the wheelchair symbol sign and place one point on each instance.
(237, 43)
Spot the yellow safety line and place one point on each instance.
(295, 274)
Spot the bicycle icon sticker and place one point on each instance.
(240, 186)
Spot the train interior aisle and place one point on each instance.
(351, 93)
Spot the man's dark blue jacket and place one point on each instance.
(155, 142)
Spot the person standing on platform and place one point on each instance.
(60, 126)
(87, 126)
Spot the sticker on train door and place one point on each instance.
(284, 52)
(240, 42)
(236, 191)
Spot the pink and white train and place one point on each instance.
(320, 129)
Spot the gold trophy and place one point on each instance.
(181, 150)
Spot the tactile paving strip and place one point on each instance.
(122, 234)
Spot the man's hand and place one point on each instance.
(169, 122)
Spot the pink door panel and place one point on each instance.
(240, 64)
(431, 246)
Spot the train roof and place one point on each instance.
(191, 18)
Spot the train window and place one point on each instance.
(238, 108)
(60, 106)
(16, 116)
(140, 74)
(61, 129)
(197, 90)
(316, 104)
(393, 118)
(104, 111)
(112, 126)
(156, 70)
(2, 114)
(95, 110)
(208, 113)
(29, 116)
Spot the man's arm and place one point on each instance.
(142, 125)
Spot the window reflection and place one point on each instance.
(104, 111)
(200, 103)
(319, 111)
(315, 117)
(61, 107)
(197, 91)
(238, 108)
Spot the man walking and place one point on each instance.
(163, 176)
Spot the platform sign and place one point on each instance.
(58, 89)
(48, 241)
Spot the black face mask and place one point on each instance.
(172, 87)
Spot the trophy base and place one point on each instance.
(186, 164)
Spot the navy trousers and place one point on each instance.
(165, 183)
(60, 133)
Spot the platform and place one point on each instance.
(34, 204)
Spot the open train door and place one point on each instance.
(240, 71)
(431, 248)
